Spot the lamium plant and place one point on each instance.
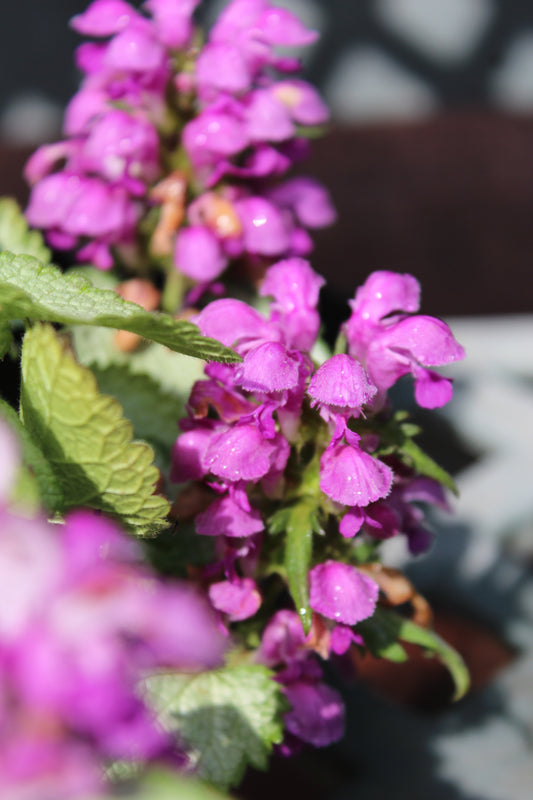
(195, 488)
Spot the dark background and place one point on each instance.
(430, 156)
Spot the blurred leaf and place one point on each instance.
(15, 234)
(29, 290)
(230, 718)
(385, 627)
(397, 437)
(5, 336)
(173, 372)
(85, 438)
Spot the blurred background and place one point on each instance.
(430, 164)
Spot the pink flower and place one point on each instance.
(269, 367)
(353, 477)
(238, 598)
(231, 516)
(317, 714)
(198, 254)
(104, 18)
(341, 385)
(239, 454)
(389, 343)
(342, 593)
(85, 623)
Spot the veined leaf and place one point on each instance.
(230, 718)
(15, 234)
(85, 438)
(153, 413)
(29, 290)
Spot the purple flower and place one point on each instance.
(233, 323)
(239, 454)
(341, 386)
(389, 343)
(317, 714)
(85, 623)
(104, 18)
(283, 640)
(352, 477)
(238, 598)
(295, 288)
(189, 450)
(198, 254)
(342, 593)
(265, 231)
(230, 515)
(269, 368)
(267, 118)
(302, 102)
(307, 199)
(121, 146)
(173, 20)
(221, 68)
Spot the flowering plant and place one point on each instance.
(197, 648)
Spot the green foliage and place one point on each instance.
(298, 522)
(15, 234)
(383, 630)
(5, 337)
(85, 438)
(173, 372)
(159, 784)
(153, 413)
(230, 718)
(29, 290)
(36, 480)
(397, 437)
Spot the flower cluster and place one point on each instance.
(85, 622)
(182, 141)
(276, 432)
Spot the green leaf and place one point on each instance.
(36, 467)
(31, 291)
(230, 718)
(153, 412)
(159, 785)
(85, 438)
(15, 234)
(173, 372)
(380, 635)
(5, 336)
(408, 631)
(301, 523)
(399, 436)
(390, 626)
(425, 465)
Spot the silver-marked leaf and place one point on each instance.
(229, 718)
